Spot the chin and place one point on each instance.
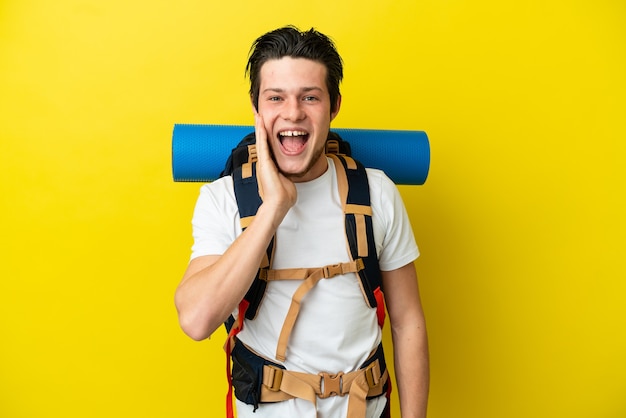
(293, 172)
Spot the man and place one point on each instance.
(295, 95)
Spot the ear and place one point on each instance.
(337, 107)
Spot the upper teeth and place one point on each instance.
(292, 133)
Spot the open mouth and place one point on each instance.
(293, 142)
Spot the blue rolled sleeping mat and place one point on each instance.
(199, 152)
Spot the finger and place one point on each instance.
(261, 137)
(261, 149)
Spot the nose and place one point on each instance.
(293, 111)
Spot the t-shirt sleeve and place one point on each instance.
(396, 244)
(215, 219)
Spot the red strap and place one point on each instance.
(380, 313)
(228, 347)
(229, 394)
(380, 306)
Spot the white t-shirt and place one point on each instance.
(335, 330)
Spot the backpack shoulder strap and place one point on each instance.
(355, 195)
(248, 201)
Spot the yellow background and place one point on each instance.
(520, 224)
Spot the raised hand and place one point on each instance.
(275, 189)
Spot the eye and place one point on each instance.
(309, 98)
(274, 99)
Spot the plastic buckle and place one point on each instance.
(276, 378)
(360, 264)
(252, 155)
(331, 385)
(373, 379)
(332, 146)
(332, 271)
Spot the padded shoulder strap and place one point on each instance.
(248, 201)
(355, 195)
(246, 192)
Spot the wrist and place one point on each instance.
(272, 214)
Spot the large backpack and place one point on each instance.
(354, 193)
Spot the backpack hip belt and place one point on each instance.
(257, 379)
(280, 385)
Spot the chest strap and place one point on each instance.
(310, 278)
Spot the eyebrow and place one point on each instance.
(280, 90)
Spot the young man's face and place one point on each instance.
(295, 105)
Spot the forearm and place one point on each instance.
(410, 342)
(209, 293)
(412, 369)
